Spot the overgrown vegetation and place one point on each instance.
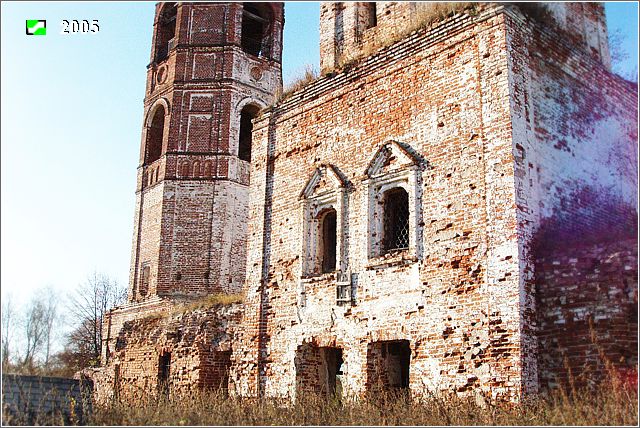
(611, 405)
(426, 14)
(305, 77)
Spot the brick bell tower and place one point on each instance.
(213, 67)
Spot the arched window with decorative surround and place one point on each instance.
(394, 217)
(323, 203)
(155, 136)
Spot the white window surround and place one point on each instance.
(326, 189)
(393, 166)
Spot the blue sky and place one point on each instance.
(71, 124)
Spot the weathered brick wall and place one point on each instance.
(587, 303)
(199, 341)
(455, 293)
(345, 29)
(575, 151)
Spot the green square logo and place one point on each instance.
(36, 27)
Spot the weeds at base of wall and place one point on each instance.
(610, 405)
(604, 407)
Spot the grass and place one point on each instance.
(608, 406)
(427, 14)
(308, 75)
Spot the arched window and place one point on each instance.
(155, 135)
(328, 240)
(395, 220)
(166, 31)
(256, 27)
(247, 115)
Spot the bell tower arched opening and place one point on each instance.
(155, 135)
(257, 20)
(166, 32)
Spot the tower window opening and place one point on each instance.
(166, 32)
(256, 25)
(372, 15)
(396, 220)
(328, 232)
(143, 288)
(155, 135)
(246, 130)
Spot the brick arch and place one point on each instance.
(185, 168)
(252, 107)
(208, 172)
(152, 110)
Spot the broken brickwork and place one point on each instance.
(480, 119)
(410, 220)
(192, 346)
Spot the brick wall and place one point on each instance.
(199, 342)
(454, 294)
(587, 303)
(575, 150)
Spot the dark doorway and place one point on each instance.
(319, 369)
(331, 371)
(164, 372)
(388, 365)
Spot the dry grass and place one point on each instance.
(606, 407)
(308, 75)
(208, 302)
(205, 302)
(427, 14)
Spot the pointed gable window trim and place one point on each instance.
(323, 204)
(395, 169)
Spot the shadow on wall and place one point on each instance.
(587, 291)
(586, 216)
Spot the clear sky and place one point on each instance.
(71, 115)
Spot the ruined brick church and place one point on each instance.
(450, 206)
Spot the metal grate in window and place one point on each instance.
(396, 220)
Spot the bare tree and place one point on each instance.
(8, 319)
(87, 307)
(33, 328)
(50, 308)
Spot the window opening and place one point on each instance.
(372, 15)
(164, 370)
(155, 135)
(396, 220)
(166, 32)
(329, 241)
(255, 29)
(144, 281)
(246, 131)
